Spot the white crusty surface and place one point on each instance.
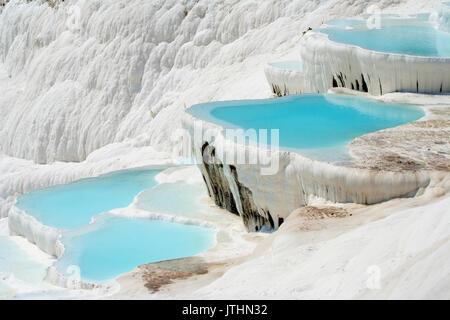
(76, 103)
(325, 60)
(284, 81)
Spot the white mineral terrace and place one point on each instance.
(299, 181)
(285, 78)
(108, 91)
(326, 61)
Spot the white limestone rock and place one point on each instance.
(329, 64)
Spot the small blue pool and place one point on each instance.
(114, 245)
(72, 205)
(402, 36)
(309, 121)
(108, 245)
(288, 65)
(189, 199)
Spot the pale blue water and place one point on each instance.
(72, 205)
(114, 245)
(188, 202)
(288, 65)
(192, 201)
(4, 290)
(344, 23)
(385, 20)
(309, 121)
(402, 36)
(14, 261)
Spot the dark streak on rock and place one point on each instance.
(364, 84)
(223, 197)
(341, 79)
(269, 218)
(334, 83)
(221, 191)
(250, 214)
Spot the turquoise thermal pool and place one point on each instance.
(72, 205)
(188, 202)
(402, 36)
(192, 202)
(114, 245)
(288, 65)
(312, 121)
(103, 245)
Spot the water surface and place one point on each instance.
(73, 205)
(311, 121)
(401, 36)
(114, 245)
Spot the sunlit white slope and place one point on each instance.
(88, 73)
(403, 256)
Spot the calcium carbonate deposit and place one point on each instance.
(90, 87)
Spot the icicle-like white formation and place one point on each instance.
(284, 81)
(330, 64)
(44, 237)
(265, 200)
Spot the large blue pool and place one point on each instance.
(72, 205)
(402, 36)
(309, 121)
